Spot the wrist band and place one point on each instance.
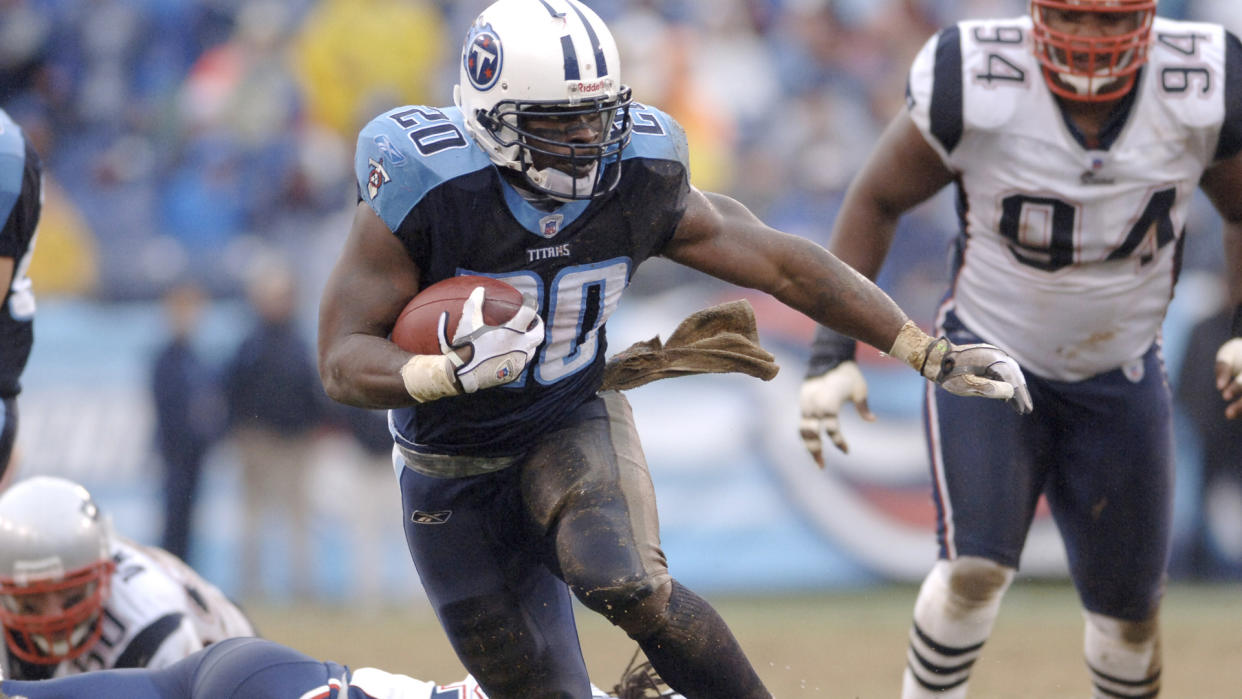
(912, 346)
(428, 377)
(829, 350)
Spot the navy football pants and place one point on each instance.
(499, 553)
(1099, 450)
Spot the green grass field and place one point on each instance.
(849, 644)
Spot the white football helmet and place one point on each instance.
(55, 569)
(556, 58)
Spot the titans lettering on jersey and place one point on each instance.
(1051, 222)
(21, 199)
(439, 193)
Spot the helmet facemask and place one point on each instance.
(1093, 67)
(47, 635)
(55, 569)
(563, 150)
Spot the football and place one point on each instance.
(416, 328)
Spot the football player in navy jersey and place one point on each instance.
(21, 202)
(1075, 136)
(522, 482)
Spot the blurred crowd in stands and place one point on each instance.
(183, 135)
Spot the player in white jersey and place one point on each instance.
(1075, 137)
(74, 597)
(254, 668)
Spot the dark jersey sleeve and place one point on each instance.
(1231, 130)
(20, 204)
(21, 199)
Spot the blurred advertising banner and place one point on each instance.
(743, 507)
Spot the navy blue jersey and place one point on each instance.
(21, 200)
(455, 214)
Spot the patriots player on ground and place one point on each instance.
(1076, 137)
(21, 202)
(253, 668)
(521, 482)
(75, 598)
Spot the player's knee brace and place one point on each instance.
(956, 608)
(638, 606)
(1122, 656)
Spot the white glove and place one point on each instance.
(501, 352)
(965, 370)
(821, 400)
(1229, 376)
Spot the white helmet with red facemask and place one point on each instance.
(55, 569)
(1098, 67)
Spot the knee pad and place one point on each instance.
(964, 590)
(639, 607)
(1122, 656)
(975, 582)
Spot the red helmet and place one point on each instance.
(1092, 68)
(55, 569)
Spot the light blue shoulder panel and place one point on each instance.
(12, 164)
(406, 152)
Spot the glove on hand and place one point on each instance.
(501, 352)
(1229, 376)
(821, 400)
(965, 370)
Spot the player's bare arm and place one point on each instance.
(371, 284)
(721, 237)
(902, 172)
(1223, 185)
(372, 281)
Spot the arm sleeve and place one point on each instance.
(1230, 141)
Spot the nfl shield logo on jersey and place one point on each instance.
(550, 225)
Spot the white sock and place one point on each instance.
(953, 616)
(1123, 657)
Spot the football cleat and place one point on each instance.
(641, 681)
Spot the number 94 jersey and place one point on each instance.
(1069, 250)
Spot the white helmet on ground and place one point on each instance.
(555, 58)
(55, 569)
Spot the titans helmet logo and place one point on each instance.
(482, 57)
